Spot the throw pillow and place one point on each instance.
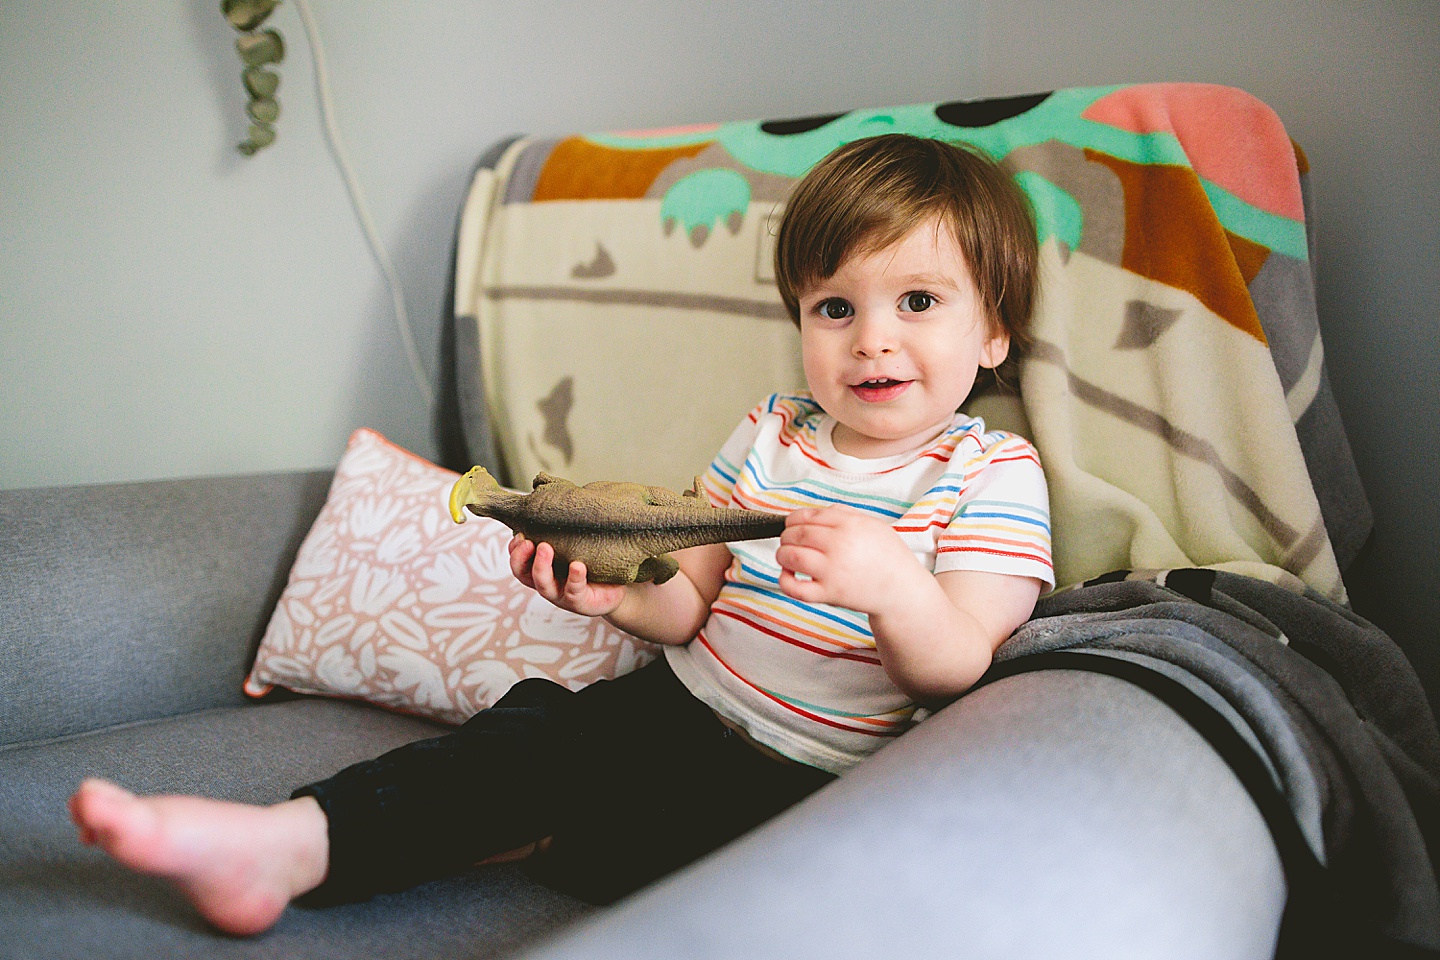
(391, 602)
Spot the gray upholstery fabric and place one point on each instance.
(1051, 814)
(127, 602)
(59, 899)
(1056, 814)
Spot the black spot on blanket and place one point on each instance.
(788, 128)
(984, 113)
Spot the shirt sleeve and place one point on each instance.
(718, 480)
(1001, 522)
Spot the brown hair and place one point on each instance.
(869, 193)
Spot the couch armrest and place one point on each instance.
(126, 602)
(1052, 814)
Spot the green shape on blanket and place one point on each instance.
(704, 197)
(1280, 234)
(1057, 214)
(791, 155)
(696, 202)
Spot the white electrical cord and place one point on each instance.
(357, 200)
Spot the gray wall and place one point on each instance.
(170, 308)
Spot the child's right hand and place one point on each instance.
(532, 565)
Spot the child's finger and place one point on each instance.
(818, 517)
(798, 558)
(835, 513)
(543, 572)
(806, 591)
(821, 518)
(808, 536)
(575, 581)
(796, 518)
(521, 551)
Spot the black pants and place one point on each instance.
(632, 777)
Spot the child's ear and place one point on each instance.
(995, 350)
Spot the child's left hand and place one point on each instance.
(853, 559)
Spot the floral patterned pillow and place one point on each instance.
(391, 602)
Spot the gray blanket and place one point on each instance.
(1317, 711)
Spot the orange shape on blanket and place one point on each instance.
(1232, 139)
(1172, 236)
(1301, 161)
(1249, 256)
(578, 169)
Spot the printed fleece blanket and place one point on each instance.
(616, 315)
(1318, 713)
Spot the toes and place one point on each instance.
(90, 803)
(99, 804)
(118, 822)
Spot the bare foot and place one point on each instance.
(238, 864)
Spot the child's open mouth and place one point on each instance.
(881, 389)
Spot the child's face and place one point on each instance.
(891, 343)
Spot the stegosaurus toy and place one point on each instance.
(621, 531)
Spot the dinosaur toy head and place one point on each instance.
(475, 487)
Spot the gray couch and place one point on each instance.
(1050, 814)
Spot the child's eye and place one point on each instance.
(917, 302)
(835, 309)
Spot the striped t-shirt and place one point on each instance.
(805, 679)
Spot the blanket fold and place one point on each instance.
(1318, 712)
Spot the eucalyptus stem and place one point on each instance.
(257, 49)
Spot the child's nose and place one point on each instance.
(873, 338)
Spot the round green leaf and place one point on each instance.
(261, 136)
(246, 15)
(261, 83)
(264, 110)
(257, 49)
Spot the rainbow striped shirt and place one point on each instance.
(804, 679)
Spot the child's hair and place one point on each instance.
(869, 193)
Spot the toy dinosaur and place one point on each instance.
(622, 532)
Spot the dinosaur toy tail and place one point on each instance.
(477, 480)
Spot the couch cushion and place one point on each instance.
(1051, 815)
(132, 601)
(61, 899)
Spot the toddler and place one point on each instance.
(915, 543)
